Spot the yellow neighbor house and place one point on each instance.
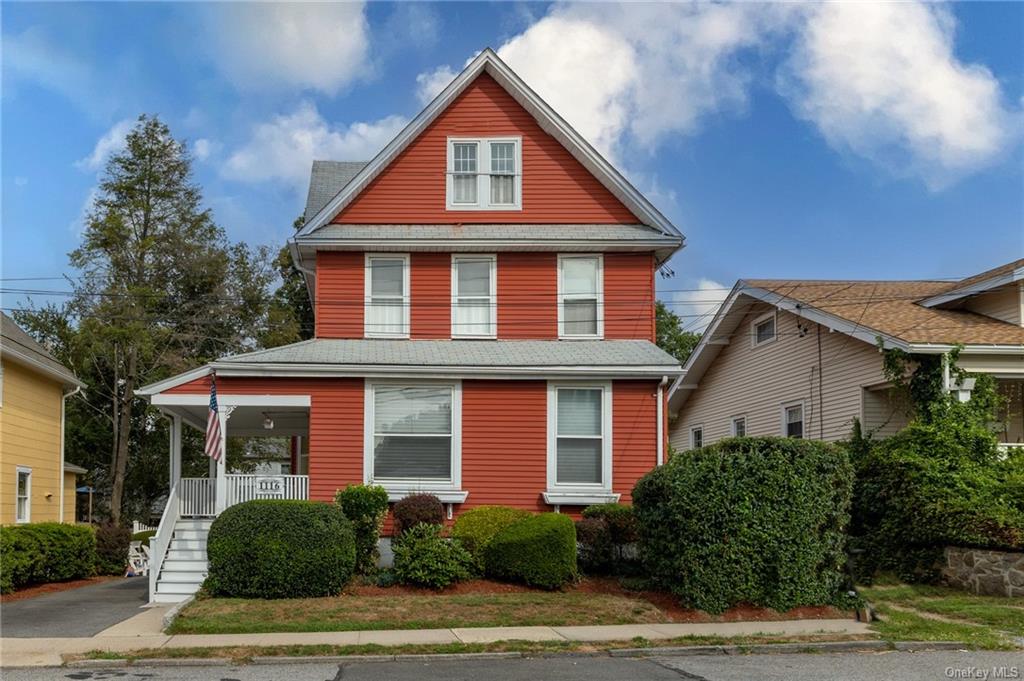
(36, 484)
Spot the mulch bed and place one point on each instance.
(53, 587)
(664, 601)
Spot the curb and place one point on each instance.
(173, 613)
(912, 646)
(183, 662)
(351, 659)
(96, 664)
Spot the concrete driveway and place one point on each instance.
(85, 611)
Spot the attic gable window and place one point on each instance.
(484, 173)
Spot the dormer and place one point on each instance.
(997, 293)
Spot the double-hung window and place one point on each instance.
(412, 433)
(387, 296)
(474, 296)
(484, 173)
(696, 437)
(793, 420)
(23, 495)
(580, 296)
(739, 426)
(579, 438)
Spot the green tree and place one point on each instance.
(670, 335)
(290, 315)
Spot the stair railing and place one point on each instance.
(160, 542)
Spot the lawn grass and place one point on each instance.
(355, 613)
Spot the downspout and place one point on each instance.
(63, 402)
(661, 420)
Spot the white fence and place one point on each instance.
(141, 527)
(248, 487)
(198, 496)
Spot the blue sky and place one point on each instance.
(804, 141)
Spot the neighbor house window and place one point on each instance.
(474, 296)
(696, 437)
(387, 296)
(23, 495)
(793, 420)
(580, 296)
(579, 423)
(763, 329)
(484, 174)
(413, 434)
(739, 426)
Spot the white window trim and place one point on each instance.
(600, 297)
(562, 493)
(483, 175)
(406, 301)
(493, 307)
(693, 440)
(803, 418)
(449, 491)
(732, 424)
(753, 329)
(28, 495)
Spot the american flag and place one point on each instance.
(213, 440)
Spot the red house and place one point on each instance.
(484, 299)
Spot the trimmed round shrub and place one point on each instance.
(424, 558)
(539, 550)
(366, 507)
(112, 549)
(39, 553)
(594, 545)
(280, 549)
(415, 509)
(620, 518)
(747, 520)
(475, 528)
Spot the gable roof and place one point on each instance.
(24, 349)
(327, 179)
(979, 283)
(487, 61)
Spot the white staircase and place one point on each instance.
(184, 565)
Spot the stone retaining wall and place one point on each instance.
(986, 573)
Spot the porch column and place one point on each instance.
(175, 447)
(221, 466)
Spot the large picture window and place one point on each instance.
(484, 173)
(580, 296)
(474, 299)
(387, 296)
(579, 441)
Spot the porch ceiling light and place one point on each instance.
(268, 423)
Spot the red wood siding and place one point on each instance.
(340, 281)
(634, 434)
(629, 295)
(430, 278)
(556, 187)
(527, 295)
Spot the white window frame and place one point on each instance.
(803, 419)
(493, 296)
(732, 424)
(758, 321)
(587, 490)
(28, 494)
(368, 290)
(693, 440)
(562, 297)
(448, 491)
(483, 175)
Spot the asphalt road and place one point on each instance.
(85, 611)
(902, 666)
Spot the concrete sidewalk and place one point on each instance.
(48, 651)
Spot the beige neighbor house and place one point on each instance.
(36, 483)
(801, 358)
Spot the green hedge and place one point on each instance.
(415, 509)
(476, 528)
(620, 519)
(112, 549)
(424, 558)
(747, 520)
(366, 507)
(595, 547)
(280, 549)
(539, 550)
(38, 553)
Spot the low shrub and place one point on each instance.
(416, 509)
(620, 518)
(476, 528)
(112, 549)
(424, 558)
(145, 536)
(39, 553)
(539, 550)
(366, 507)
(280, 549)
(747, 520)
(594, 546)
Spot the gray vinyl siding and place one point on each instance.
(1003, 303)
(758, 381)
(883, 413)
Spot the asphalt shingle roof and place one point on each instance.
(327, 179)
(16, 339)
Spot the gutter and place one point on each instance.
(63, 403)
(661, 419)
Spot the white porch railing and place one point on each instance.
(162, 539)
(248, 487)
(198, 496)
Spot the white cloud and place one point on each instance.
(697, 307)
(202, 148)
(882, 80)
(110, 143)
(283, 148)
(319, 46)
(430, 83)
(81, 221)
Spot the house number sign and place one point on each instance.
(269, 488)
